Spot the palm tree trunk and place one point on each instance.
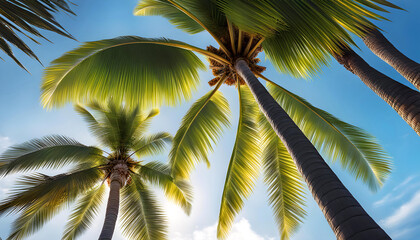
(404, 100)
(346, 217)
(111, 210)
(380, 46)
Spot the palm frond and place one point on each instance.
(177, 190)
(165, 9)
(84, 213)
(284, 182)
(32, 219)
(19, 17)
(40, 189)
(201, 127)
(133, 70)
(244, 163)
(258, 17)
(141, 216)
(152, 144)
(358, 152)
(206, 12)
(52, 151)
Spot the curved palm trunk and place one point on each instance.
(404, 100)
(380, 46)
(111, 210)
(346, 217)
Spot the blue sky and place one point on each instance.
(396, 207)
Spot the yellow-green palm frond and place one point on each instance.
(130, 69)
(32, 219)
(305, 45)
(206, 13)
(165, 9)
(152, 144)
(284, 182)
(40, 189)
(52, 151)
(201, 127)
(244, 163)
(141, 216)
(178, 191)
(258, 17)
(84, 213)
(358, 152)
(356, 15)
(37, 198)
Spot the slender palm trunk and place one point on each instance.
(346, 217)
(111, 208)
(404, 100)
(380, 46)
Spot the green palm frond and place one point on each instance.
(165, 9)
(244, 164)
(258, 17)
(206, 12)
(32, 219)
(53, 151)
(152, 144)
(284, 182)
(141, 217)
(177, 190)
(163, 73)
(357, 151)
(200, 128)
(24, 17)
(84, 213)
(40, 189)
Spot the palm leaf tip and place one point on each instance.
(244, 164)
(164, 73)
(200, 129)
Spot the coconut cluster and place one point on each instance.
(220, 70)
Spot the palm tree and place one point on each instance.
(38, 197)
(24, 17)
(166, 72)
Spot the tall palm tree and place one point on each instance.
(135, 69)
(26, 17)
(122, 132)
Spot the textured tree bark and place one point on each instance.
(347, 218)
(380, 46)
(118, 179)
(404, 100)
(111, 211)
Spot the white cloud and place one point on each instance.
(402, 188)
(404, 213)
(240, 231)
(405, 182)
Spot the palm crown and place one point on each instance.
(171, 75)
(120, 131)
